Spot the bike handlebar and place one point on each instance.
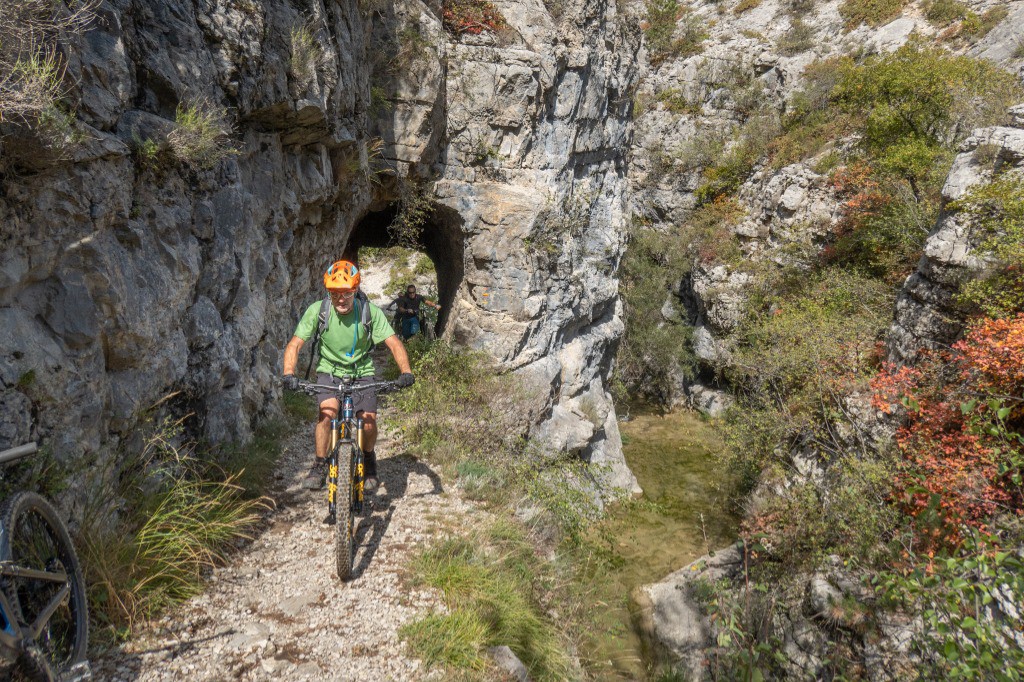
(18, 452)
(381, 386)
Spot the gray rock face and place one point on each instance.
(670, 616)
(125, 280)
(926, 311)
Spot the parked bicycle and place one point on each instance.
(345, 455)
(44, 620)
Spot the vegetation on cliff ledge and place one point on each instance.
(930, 519)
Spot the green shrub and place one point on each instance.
(793, 352)
(870, 12)
(415, 206)
(201, 137)
(662, 27)
(945, 12)
(653, 348)
(429, 417)
(977, 27)
(887, 244)
(801, 7)
(799, 38)
(746, 5)
(919, 102)
(996, 214)
(677, 102)
(750, 143)
(698, 152)
(961, 637)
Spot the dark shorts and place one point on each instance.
(363, 401)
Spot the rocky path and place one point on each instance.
(279, 612)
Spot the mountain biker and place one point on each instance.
(409, 311)
(344, 351)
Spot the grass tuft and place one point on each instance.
(307, 54)
(487, 583)
(201, 137)
(168, 518)
(453, 640)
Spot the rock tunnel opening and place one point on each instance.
(440, 240)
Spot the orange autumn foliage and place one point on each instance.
(961, 437)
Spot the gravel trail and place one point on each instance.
(278, 611)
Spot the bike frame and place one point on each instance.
(12, 636)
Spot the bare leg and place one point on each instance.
(328, 411)
(369, 431)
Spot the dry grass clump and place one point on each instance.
(307, 54)
(31, 63)
(32, 75)
(166, 520)
(202, 133)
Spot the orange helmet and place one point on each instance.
(342, 275)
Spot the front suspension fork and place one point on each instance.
(357, 482)
(332, 473)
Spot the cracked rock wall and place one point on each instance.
(124, 281)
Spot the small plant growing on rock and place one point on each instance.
(307, 54)
(870, 12)
(201, 137)
(32, 70)
(31, 63)
(662, 26)
(799, 38)
(745, 6)
(471, 16)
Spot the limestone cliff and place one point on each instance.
(742, 61)
(128, 278)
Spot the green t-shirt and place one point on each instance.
(341, 352)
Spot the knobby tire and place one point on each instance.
(344, 524)
(34, 536)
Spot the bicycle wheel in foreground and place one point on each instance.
(34, 537)
(344, 526)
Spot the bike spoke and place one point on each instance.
(51, 608)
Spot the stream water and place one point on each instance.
(682, 513)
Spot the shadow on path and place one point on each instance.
(394, 474)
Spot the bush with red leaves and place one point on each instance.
(471, 16)
(962, 435)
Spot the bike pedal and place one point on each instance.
(330, 520)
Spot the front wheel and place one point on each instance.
(35, 538)
(345, 550)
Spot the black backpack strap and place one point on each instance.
(323, 318)
(365, 318)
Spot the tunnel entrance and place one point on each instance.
(440, 240)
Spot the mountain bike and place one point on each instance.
(345, 494)
(44, 620)
(428, 323)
